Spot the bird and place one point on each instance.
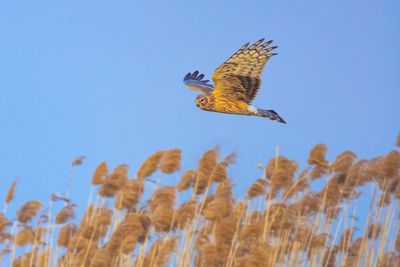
(237, 82)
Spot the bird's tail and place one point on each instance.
(270, 114)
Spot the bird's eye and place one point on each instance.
(203, 100)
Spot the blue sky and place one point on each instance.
(104, 79)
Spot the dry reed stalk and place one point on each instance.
(261, 255)
(283, 247)
(162, 218)
(329, 256)
(10, 195)
(224, 190)
(315, 227)
(389, 259)
(317, 155)
(132, 230)
(207, 157)
(318, 171)
(211, 254)
(217, 209)
(142, 254)
(386, 229)
(3, 252)
(331, 196)
(39, 235)
(187, 180)
(103, 257)
(129, 195)
(100, 174)
(65, 234)
(373, 231)
(197, 234)
(316, 248)
(163, 196)
(350, 240)
(114, 182)
(225, 230)
(202, 184)
(391, 164)
(97, 216)
(170, 162)
(345, 240)
(43, 258)
(58, 197)
(5, 238)
(78, 161)
(257, 188)
(47, 219)
(234, 246)
(218, 230)
(24, 237)
(343, 162)
(160, 252)
(357, 246)
(65, 214)
(371, 234)
(266, 225)
(299, 186)
(219, 172)
(93, 226)
(29, 210)
(149, 166)
(184, 215)
(186, 246)
(24, 260)
(207, 163)
(280, 171)
(3, 222)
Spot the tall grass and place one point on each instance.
(281, 221)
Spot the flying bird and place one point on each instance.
(237, 82)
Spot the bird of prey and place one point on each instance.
(237, 82)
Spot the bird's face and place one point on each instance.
(202, 101)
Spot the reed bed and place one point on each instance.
(281, 221)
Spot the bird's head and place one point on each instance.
(203, 101)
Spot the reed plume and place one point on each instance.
(150, 165)
(100, 174)
(285, 218)
(29, 210)
(10, 192)
(65, 214)
(187, 180)
(170, 161)
(114, 182)
(129, 195)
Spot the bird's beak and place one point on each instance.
(197, 102)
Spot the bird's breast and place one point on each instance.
(231, 106)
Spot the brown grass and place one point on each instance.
(200, 222)
(10, 192)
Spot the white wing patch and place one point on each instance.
(252, 109)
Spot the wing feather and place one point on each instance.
(195, 82)
(239, 77)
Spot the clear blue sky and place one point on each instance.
(104, 79)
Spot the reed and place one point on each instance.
(281, 221)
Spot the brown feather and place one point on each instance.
(238, 78)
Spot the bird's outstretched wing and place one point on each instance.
(239, 77)
(195, 82)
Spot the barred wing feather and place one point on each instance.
(195, 82)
